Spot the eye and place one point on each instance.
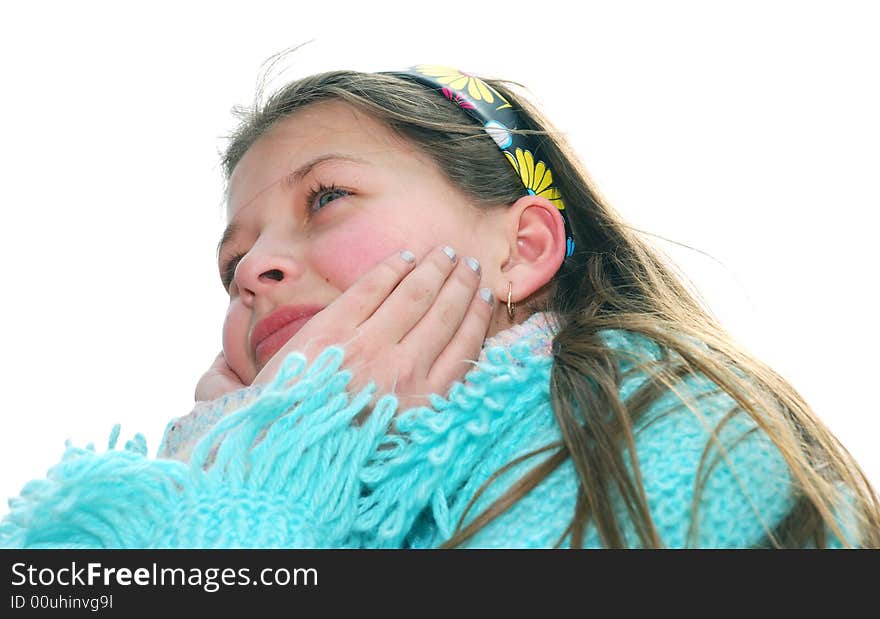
(317, 194)
(227, 271)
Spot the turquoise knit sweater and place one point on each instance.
(289, 467)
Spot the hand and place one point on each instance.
(410, 327)
(219, 380)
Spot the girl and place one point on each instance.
(439, 335)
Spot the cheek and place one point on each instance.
(235, 328)
(347, 252)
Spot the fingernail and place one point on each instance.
(473, 264)
(408, 256)
(449, 252)
(486, 295)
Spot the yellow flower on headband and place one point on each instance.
(477, 89)
(484, 104)
(537, 178)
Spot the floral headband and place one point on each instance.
(486, 105)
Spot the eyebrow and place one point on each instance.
(300, 173)
(289, 181)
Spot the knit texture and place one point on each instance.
(289, 468)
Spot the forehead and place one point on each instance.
(312, 132)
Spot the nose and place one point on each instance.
(264, 270)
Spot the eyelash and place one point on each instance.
(320, 190)
(228, 271)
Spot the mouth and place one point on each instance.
(274, 331)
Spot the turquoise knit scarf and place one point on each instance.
(291, 469)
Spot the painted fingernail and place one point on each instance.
(473, 264)
(449, 252)
(486, 295)
(408, 256)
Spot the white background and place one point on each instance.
(746, 130)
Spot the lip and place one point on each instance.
(273, 331)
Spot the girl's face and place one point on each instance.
(316, 202)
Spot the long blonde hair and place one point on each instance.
(614, 280)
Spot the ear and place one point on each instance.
(536, 245)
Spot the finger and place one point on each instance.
(219, 362)
(362, 298)
(456, 359)
(214, 384)
(412, 298)
(340, 320)
(433, 333)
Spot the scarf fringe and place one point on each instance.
(91, 500)
(291, 469)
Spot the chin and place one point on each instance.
(247, 375)
(242, 367)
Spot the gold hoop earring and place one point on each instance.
(511, 307)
